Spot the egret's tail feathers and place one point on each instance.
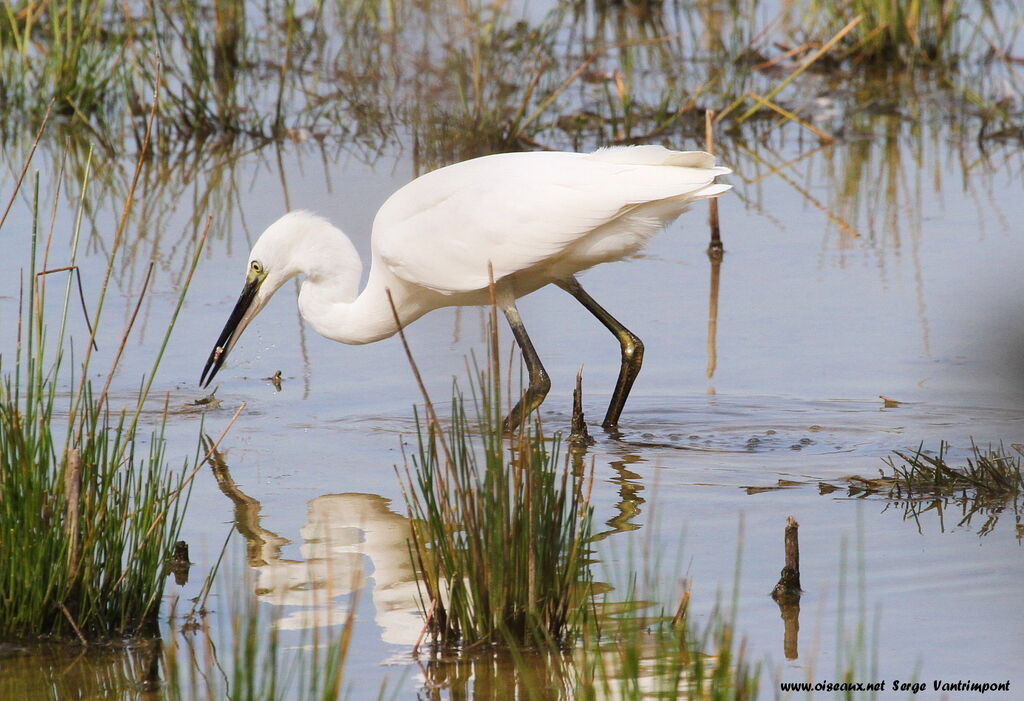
(710, 191)
(654, 155)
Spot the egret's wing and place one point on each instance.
(516, 211)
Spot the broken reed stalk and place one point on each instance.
(787, 590)
(579, 437)
(684, 605)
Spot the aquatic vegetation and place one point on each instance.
(634, 645)
(987, 484)
(892, 30)
(250, 660)
(632, 654)
(500, 531)
(456, 80)
(89, 509)
(990, 474)
(87, 530)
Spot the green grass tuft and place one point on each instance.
(500, 531)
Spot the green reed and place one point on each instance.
(84, 534)
(500, 526)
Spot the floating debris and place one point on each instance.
(275, 380)
(206, 403)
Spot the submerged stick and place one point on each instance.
(579, 437)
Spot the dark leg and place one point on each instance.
(632, 350)
(539, 381)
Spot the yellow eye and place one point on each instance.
(256, 267)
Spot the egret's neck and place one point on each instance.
(334, 310)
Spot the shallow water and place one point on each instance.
(812, 327)
(908, 289)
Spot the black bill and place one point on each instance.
(245, 309)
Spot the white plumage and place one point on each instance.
(533, 218)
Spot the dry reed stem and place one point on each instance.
(124, 337)
(74, 626)
(28, 160)
(72, 495)
(118, 237)
(428, 405)
(684, 604)
(426, 624)
(81, 297)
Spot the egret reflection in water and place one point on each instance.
(346, 538)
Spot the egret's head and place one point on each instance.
(273, 261)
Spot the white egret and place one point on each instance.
(533, 218)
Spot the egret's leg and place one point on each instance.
(539, 381)
(632, 350)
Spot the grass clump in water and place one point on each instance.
(989, 482)
(990, 474)
(500, 533)
(84, 532)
